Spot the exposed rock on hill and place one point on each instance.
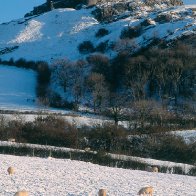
(107, 8)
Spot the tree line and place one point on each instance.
(165, 76)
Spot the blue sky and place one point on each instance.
(14, 9)
(190, 2)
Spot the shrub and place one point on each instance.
(102, 32)
(106, 138)
(86, 47)
(102, 47)
(131, 32)
(52, 130)
(173, 148)
(163, 18)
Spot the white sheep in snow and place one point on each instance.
(102, 192)
(146, 191)
(155, 169)
(152, 169)
(11, 171)
(21, 193)
(87, 149)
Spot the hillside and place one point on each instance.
(115, 6)
(46, 177)
(109, 82)
(58, 33)
(17, 88)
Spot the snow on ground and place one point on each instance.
(74, 118)
(17, 87)
(188, 135)
(48, 177)
(17, 93)
(53, 35)
(57, 34)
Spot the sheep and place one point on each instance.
(87, 149)
(102, 192)
(152, 169)
(146, 191)
(21, 193)
(11, 171)
(155, 169)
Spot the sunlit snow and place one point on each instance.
(49, 177)
(57, 34)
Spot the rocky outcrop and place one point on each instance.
(167, 2)
(106, 9)
(57, 4)
(112, 9)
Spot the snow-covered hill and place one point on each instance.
(58, 33)
(47, 177)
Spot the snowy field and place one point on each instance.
(50, 177)
(17, 87)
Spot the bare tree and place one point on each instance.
(141, 111)
(99, 90)
(137, 76)
(70, 76)
(117, 102)
(174, 73)
(61, 72)
(78, 81)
